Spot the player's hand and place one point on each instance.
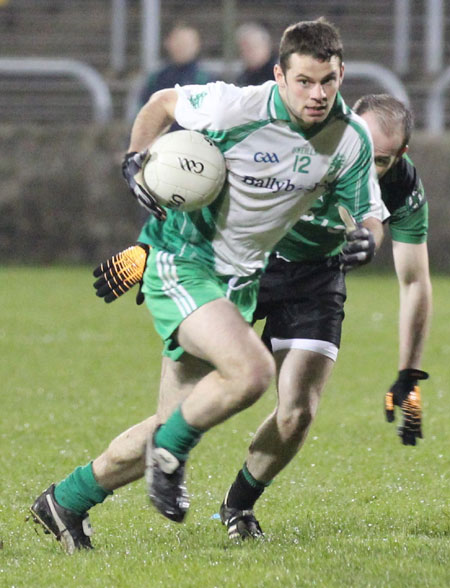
(405, 393)
(359, 248)
(121, 272)
(132, 172)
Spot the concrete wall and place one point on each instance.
(62, 196)
(63, 199)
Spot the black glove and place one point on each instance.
(359, 248)
(121, 272)
(405, 393)
(132, 172)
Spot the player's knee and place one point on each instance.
(253, 378)
(293, 423)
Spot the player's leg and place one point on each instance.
(243, 370)
(124, 459)
(302, 376)
(304, 309)
(197, 312)
(216, 333)
(63, 508)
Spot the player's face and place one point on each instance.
(309, 87)
(387, 148)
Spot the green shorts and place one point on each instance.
(174, 287)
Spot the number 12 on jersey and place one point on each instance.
(302, 163)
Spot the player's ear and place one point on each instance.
(279, 75)
(342, 72)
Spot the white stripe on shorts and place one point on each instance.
(167, 272)
(324, 347)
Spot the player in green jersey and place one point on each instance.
(302, 298)
(204, 267)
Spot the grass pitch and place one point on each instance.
(355, 508)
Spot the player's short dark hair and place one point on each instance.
(317, 38)
(391, 113)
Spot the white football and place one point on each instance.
(185, 170)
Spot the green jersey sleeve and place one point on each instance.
(404, 196)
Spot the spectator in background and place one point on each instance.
(256, 51)
(182, 46)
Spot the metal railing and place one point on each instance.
(435, 105)
(102, 109)
(434, 36)
(402, 36)
(379, 74)
(150, 30)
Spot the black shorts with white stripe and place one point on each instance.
(302, 300)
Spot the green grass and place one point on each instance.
(355, 508)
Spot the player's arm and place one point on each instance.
(411, 266)
(154, 118)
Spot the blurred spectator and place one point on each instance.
(256, 51)
(182, 46)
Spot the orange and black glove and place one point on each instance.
(121, 272)
(405, 393)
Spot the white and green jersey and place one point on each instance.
(276, 171)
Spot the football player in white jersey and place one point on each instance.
(302, 296)
(202, 274)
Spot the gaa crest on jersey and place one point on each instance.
(265, 157)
